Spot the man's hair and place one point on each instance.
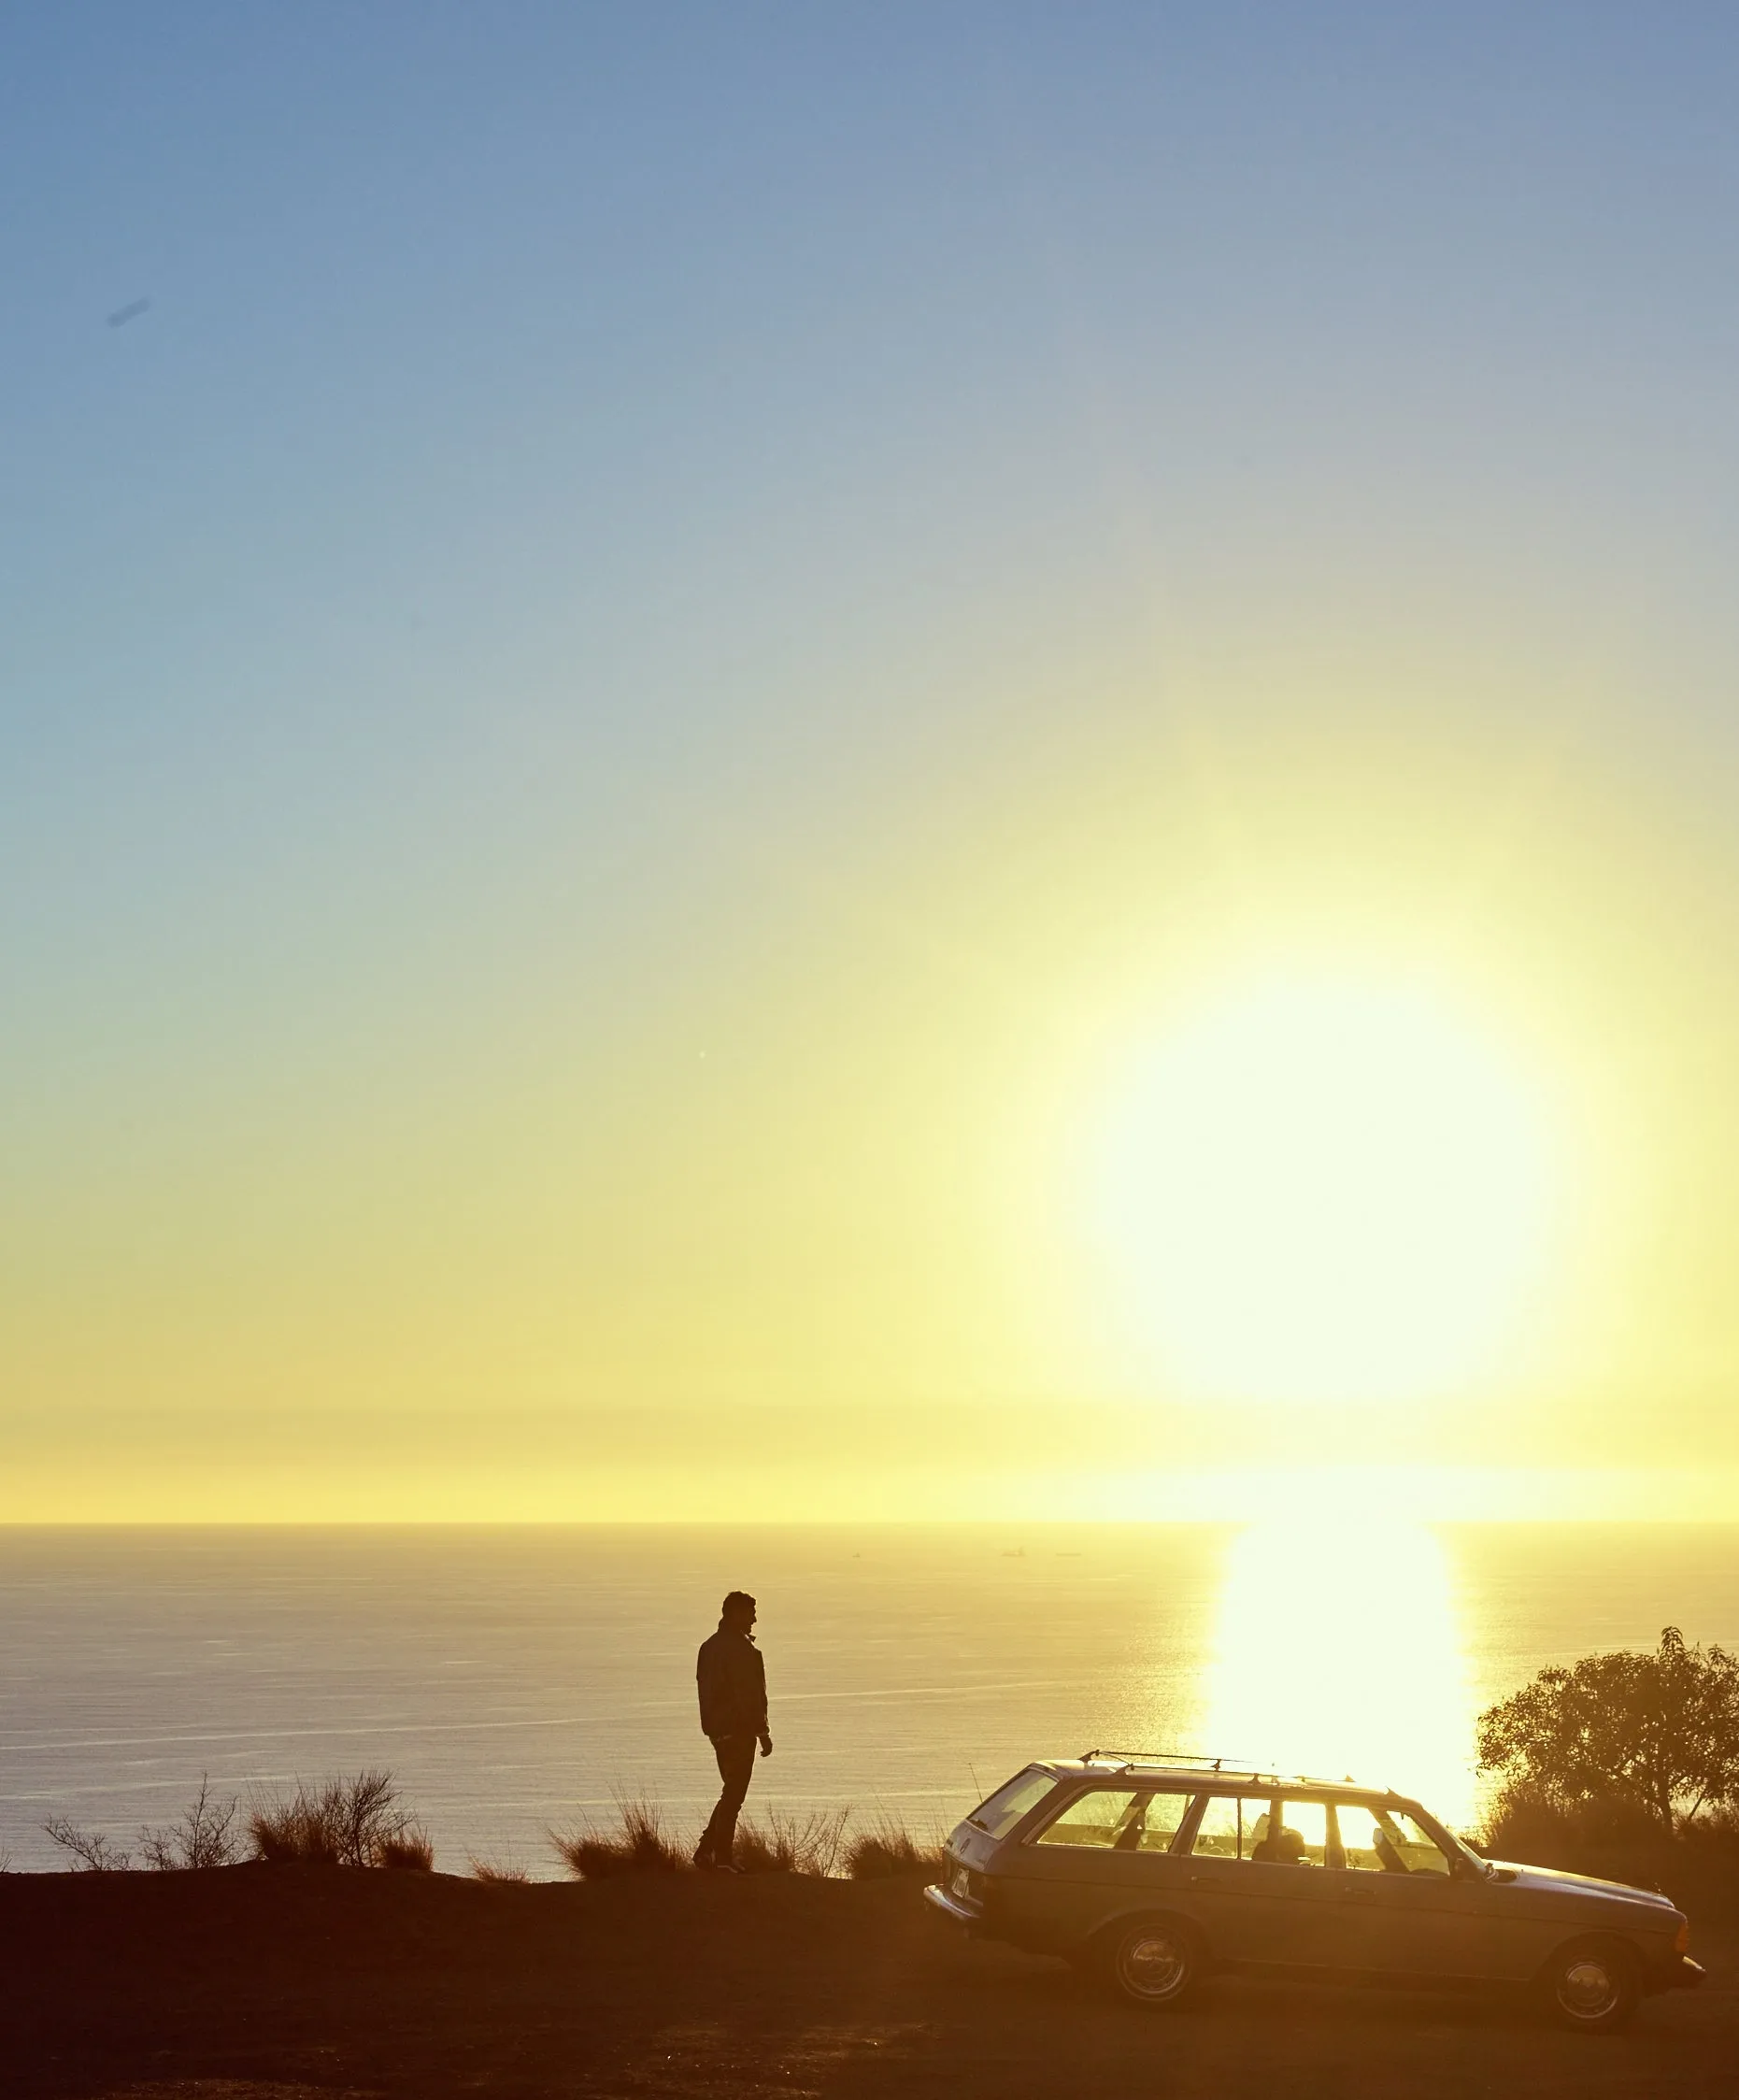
(736, 1601)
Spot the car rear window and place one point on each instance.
(998, 1815)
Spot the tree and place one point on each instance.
(1661, 1730)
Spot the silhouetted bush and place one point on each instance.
(792, 1844)
(206, 1835)
(341, 1823)
(814, 1842)
(497, 1870)
(91, 1852)
(890, 1850)
(1526, 1822)
(1618, 1840)
(411, 1850)
(640, 1844)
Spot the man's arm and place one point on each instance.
(707, 1684)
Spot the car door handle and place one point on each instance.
(1360, 1894)
(1192, 1882)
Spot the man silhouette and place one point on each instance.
(733, 1682)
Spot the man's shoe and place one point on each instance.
(725, 1866)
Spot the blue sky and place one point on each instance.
(624, 528)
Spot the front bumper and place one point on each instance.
(1685, 1974)
(962, 1914)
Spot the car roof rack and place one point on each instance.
(1163, 1757)
(1228, 1767)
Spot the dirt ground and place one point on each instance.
(285, 1983)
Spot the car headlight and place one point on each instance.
(1681, 1940)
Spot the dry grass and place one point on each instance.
(792, 1844)
(814, 1842)
(498, 1870)
(642, 1844)
(341, 1823)
(410, 1850)
(890, 1850)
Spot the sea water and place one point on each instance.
(518, 1681)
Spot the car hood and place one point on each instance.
(1552, 1877)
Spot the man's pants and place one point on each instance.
(737, 1765)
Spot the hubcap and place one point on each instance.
(1153, 1963)
(1588, 1988)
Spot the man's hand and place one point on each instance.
(766, 1744)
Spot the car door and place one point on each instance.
(1304, 1924)
(1106, 1852)
(1409, 1911)
(1256, 1899)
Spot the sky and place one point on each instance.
(695, 662)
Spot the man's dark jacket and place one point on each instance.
(732, 1680)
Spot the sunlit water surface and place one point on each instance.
(515, 1679)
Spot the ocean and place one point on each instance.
(519, 1680)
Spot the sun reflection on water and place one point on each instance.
(1338, 1652)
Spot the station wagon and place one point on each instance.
(1154, 1871)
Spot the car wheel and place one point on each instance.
(1591, 1985)
(1154, 1961)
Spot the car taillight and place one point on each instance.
(1681, 1942)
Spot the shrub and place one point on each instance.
(1526, 1822)
(409, 1850)
(790, 1844)
(497, 1870)
(888, 1850)
(812, 1843)
(91, 1852)
(640, 1844)
(205, 1836)
(341, 1823)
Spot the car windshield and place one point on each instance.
(1005, 1809)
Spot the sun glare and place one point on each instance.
(1326, 1190)
(1338, 1652)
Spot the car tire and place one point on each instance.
(1154, 1962)
(1591, 1985)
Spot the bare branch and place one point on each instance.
(91, 1852)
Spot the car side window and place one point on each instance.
(1301, 1837)
(1385, 1840)
(1118, 1820)
(1420, 1852)
(1100, 1818)
(1160, 1823)
(1359, 1834)
(1227, 1829)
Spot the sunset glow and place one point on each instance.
(926, 762)
(1327, 1189)
(1338, 1653)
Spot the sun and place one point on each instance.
(1324, 1188)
